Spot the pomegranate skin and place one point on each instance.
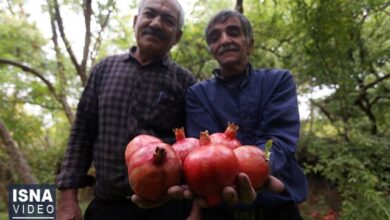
(138, 142)
(227, 138)
(184, 145)
(209, 169)
(253, 163)
(153, 169)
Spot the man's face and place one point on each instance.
(228, 43)
(157, 26)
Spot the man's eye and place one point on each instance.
(234, 32)
(169, 21)
(213, 37)
(149, 14)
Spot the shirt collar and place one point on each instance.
(217, 73)
(164, 61)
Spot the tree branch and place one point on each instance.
(60, 98)
(87, 39)
(380, 79)
(18, 160)
(68, 47)
(98, 39)
(32, 71)
(322, 109)
(60, 66)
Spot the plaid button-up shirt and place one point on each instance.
(121, 100)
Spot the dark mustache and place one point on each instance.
(227, 47)
(155, 32)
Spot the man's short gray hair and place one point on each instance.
(141, 5)
(226, 14)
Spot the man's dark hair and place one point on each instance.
(226, 14)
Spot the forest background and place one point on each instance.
(341, 47)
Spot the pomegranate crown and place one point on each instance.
(231, 130)
(179, 133)
(204, 138)
(159, 155)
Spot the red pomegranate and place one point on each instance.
(138, 142)
(209, 168)
(253, 163)
(183, 145)
(153, 169)
(227, 138)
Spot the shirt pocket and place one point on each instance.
(166, 111)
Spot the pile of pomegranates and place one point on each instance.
(208, 164)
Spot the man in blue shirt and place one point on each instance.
(263, 103)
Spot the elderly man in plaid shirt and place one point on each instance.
(140, 92)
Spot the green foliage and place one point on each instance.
(343, 45)
(20, 39)
(359, 169)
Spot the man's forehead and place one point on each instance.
(168, 6)
(231, 21)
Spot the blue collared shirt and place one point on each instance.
(264, 105)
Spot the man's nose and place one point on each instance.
(224, 39)
(156, 22)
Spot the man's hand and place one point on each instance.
(243, 191)
(68, 208)
(174, 192)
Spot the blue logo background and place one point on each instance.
(31, 201)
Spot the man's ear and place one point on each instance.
(251, 44)
(135, 20)
(178, 36)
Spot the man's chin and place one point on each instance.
(228, 62)
(151, 46)
(152, 49)
(152, 39)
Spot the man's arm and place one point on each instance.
(78, 156)
(68, 208)
(280, 122)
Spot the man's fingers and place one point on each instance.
(146, 204)
(201, 203)
(247, 193)
(176, 192)
(229, 195)
(273, 184)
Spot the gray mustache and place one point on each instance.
(227, 47)
(155, 32)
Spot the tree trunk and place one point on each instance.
(6, 178)
(18, 160)
(239, 6)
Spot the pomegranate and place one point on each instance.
(209, 168)
(228, 138)
(153, 169)
(138, 142)
(183, 145)
(253, 163)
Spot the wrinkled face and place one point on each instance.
(157, 26)
(228, 43)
